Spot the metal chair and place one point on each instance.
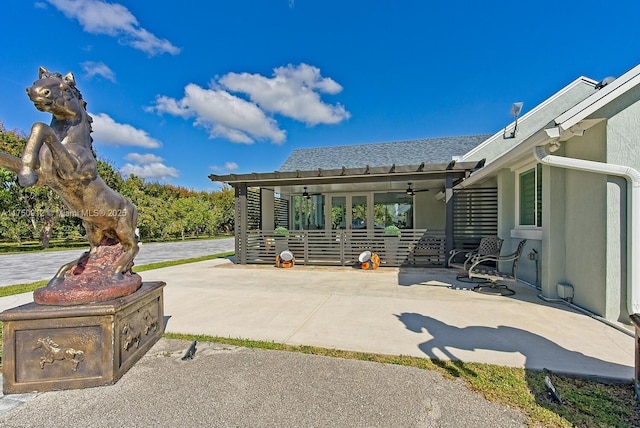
(489, 246)
(494, 277)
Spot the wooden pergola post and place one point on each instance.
(241, 223)
(448, 229)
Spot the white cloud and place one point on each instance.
(222, 114)
(108, 132)
(293, 91)
(228, 166)
(171, 106)
(92, 68)
(157, 171)
(143, 158)
(113, 19)
(148, 165)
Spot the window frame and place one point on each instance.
(537, 195)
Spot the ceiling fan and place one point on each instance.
(308, 195)
(410, 191)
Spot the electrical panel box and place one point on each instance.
(565, 291)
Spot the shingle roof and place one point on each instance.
(430, 150)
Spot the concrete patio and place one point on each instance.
(432, 315)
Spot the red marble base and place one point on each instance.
(90, 282)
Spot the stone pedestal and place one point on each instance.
(49, 348)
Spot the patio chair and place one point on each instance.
(494, 277)
(489, 246)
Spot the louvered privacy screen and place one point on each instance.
(475, 215)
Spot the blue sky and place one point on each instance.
(179, 90)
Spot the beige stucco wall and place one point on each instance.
(623, 148)
(506, 180)
(593, 232)
(585, 231)
(553, 256)
(267, 202)
(429, 212)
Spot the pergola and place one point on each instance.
(442, 177)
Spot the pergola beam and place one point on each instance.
(351, 175)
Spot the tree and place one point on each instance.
(110, 175)
(223, 210)
(31, 211)
(163, 210)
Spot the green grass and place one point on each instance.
(31, 246)
(587, 403)
(160, 265)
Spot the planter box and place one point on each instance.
(49, 348)
(282, 244)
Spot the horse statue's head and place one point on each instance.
(57, 94)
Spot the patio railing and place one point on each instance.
(414, 247)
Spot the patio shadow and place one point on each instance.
(539, 352)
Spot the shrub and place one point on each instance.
(391, 230)
(281, 232)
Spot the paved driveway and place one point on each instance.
(36, 266)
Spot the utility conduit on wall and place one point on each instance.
(632, 177)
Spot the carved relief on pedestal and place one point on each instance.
(150, 322)
(130, 336)
(52, 352)
(135, 326)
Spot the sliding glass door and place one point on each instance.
(349, 212)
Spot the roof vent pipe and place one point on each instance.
(632, 177)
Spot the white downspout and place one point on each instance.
(632, 176)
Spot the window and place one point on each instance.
(393, 209)
(530, 197)
(358, 212)
(308, 213)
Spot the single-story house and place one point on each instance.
(563, 176)
(335, 202)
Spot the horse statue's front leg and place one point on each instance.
(65, 163)
(40, 132)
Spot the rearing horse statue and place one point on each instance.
(60, 156)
